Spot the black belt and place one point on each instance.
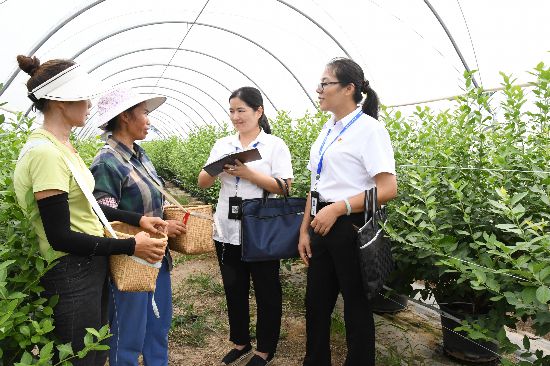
(323, 204)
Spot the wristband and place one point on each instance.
(348, 207)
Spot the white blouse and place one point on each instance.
(275, 162)
(352, 161)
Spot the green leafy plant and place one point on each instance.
(93, 341)
(182, 160)
(299, 135)
(471, 220)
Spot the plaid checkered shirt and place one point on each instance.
(116, 178)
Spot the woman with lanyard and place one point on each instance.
(352, 153)
(125, 178)
(240, 182)
(51, 183)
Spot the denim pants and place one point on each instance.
(81, 284)
(236, 276)
(136, 329)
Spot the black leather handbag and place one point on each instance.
(270, 227)
(375, 257)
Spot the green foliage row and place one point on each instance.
(181, 160)
(473, 214)
(26, 320)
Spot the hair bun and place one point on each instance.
(28, 64)
(365, 86)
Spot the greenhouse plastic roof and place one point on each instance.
(196, 52)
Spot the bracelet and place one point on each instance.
(348, 206)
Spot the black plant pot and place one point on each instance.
(391, 303)
(459, 346)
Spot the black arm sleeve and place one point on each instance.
(114, 214)
(56, 217)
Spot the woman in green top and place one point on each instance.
(59, 211)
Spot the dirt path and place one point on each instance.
(199, 307)
(199, 336)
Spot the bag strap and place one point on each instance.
(171, 199)
(29, 145)
(99, 212)
(367, 205)
(287, 187)
(285, 191)
(371, 206)
(90, 197)
(374, 207)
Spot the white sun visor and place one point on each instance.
(71, 84)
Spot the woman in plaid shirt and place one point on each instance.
(124, 175)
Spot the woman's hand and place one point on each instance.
(325, 219)
(149, 249)
(304, 247)
(153, 224)
(239, 170)
(264, 181)
(175, 228)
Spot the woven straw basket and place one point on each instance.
(126, 273)
(198, 239)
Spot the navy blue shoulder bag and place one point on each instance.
(270, 227)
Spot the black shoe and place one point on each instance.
(234, 356)
(257, 360)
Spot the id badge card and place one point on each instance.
(235, 208)
(314, 202)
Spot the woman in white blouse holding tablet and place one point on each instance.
(243, 181)
(351, 154)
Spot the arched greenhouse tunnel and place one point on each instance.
(283, 59)
(464, 91)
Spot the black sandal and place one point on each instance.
(257, 360)
(235, 356)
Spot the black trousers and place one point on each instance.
(334, 268)
(81, 284)
(267, 287)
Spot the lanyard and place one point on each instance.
(237, 179)
(322, 153)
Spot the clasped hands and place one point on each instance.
(150, 249)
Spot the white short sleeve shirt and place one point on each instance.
(353, 159)
(276, 162)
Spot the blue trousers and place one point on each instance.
(135, 328)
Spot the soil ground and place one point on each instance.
(199, 336)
